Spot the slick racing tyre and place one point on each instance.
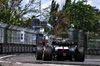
(39, 51)
(47, 53)
(79, 55)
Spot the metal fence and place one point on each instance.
(16, 39)
(12, 34)
(1, 35)
(92, 46)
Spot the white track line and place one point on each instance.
(18, 63)
(58, 65)
(6, 56)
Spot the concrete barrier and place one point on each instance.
(16, 48)
(93, 51)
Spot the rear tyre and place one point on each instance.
(47, 53)
(39, 51)
(79, 55)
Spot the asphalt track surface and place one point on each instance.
(91, 60)
(28, 59)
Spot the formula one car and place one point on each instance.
(60, 50)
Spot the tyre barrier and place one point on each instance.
(16, 48)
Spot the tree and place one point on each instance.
(82, 16)
(67, 4)
(5, 16)
(53, 12)
(45, 13)
(14, 10)
(98, 14)
(63, 23)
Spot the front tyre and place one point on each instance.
(39, 51)
(47, 53)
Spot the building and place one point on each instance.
(95, 10)
(35, 24)
(43, 23)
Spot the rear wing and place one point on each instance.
(64, 43)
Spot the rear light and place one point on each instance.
(45, 42)
(61, 48)
(65, 48)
